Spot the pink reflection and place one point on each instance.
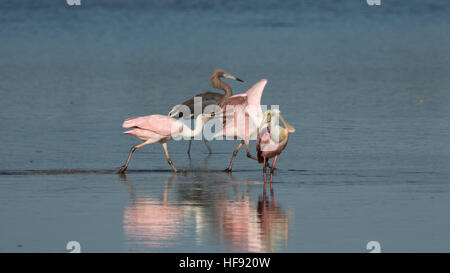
(150, 222)
(252, 226)
(241, 224)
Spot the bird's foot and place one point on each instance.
(227, 170)
(121, 169)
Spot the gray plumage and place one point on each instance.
(208, 98)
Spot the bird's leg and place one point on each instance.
(234, 156)
(207, 145)
(134, 148)
(265, 192)
(164, 145)
(247, 149)
(273, 164)
(265, 166)
(272, 194)
(189, 148)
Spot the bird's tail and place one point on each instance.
(131, 122)
(130, 132)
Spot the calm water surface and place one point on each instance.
(369, 159)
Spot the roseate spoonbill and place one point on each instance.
(159, 128)
(272, 138)
(208, 98)
(242, 114)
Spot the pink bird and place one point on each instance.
(160, 128)
(272, 138)
(242, 115)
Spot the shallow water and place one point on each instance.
(368, 161)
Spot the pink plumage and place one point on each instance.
(162, 125)
(144, 135)
(238, 109)
(266, 147)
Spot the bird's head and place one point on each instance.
(220, 73)
(271, 118)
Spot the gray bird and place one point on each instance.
(208, 98)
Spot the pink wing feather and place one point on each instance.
(144, 135)
(236, 121)
(162, 125)
(254, 94)
(239, 99)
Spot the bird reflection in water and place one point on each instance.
(218, 206)
(154, 223)
(250, 226)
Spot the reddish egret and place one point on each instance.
(272, 138)
(245, 116)
(159, 128)
(208, 98)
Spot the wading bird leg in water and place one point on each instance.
(189, 148)
(248, 152)
(265, 166)
(164, 145)
(134, 148)
(207, 145)
(272, 194)
(273, 164)
(234, 156)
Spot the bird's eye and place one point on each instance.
(213, 114)
(180, 115)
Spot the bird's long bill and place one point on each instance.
(229, 76)
(288, 127)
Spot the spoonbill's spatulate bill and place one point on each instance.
(272, 138)
(208, 98)
(159, 128)
(242, 116)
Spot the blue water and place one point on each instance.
(369, 159)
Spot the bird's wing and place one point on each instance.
(208, 98)
(242, 112)
(251, 97)
(239, 99)
(159, 124)
(146, 135)
(236, 124)
(254, 94)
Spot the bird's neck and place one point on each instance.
(217, 83)
(198, 126)
(188, 132)
(278, 133)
